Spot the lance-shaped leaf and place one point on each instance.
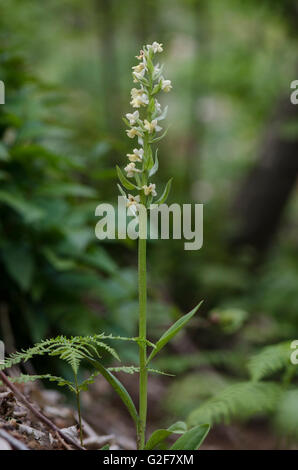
(126, 121)
(118, 387)
(160, 435)
(122, 192)
(163, 115)
(156, 438)
(180, 427)
(124, 181)
(154, 169)
(157, 139)
(172, 331)
(192, 439)
(165, 194)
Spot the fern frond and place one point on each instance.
(38, 349)
(26, 378)
(73, 350)
(83, 386)
(286, 417)
(240, 401)
(125, 369)
(133, 370)
(135, 339)
(160, 372)
(269, 360)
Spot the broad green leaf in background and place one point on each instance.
(4, 155)
(59, 263)
(29, 211)
(192, 439)
(19, 263)
(172, 331)
(67, 189)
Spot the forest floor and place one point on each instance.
(105, 422)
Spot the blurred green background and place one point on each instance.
(232, 145)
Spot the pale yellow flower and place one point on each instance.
(136, 92)
(155, 46)
(150, 189)
(132, 200)
(166, 85)
(139, 100)
(139, 68)
(131, 133)
(136, 156)
(131, 170)
(152, 126)
(132, 204)
(133, 117)
(138, 75)
(141, 56)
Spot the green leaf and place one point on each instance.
(67, 189)
(124, 181)
(156, 438)
(4, 175)
(172, 331)
(4, 155)
(180, 427)
(126, 369)
(192, 439)
(121, 191)
(126, 122)
(18, 261)
(60, 264)
(118, 387)
(154, 169)
(157, 139)
(160, 435)
(29, 211)
(165, 194)
(106, 447)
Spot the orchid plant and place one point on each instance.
(143, 124)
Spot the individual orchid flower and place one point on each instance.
(136, 156)
(138, 76)
(141, 55)
(155, 46)
(141, 67)
(152, 126)
(157, 106)
(132, 204)
(166, 85)
(131, 133)
(139, 100)
(131, 170)
(133, 117)
(150, 189)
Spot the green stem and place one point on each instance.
(142, 344)
(79, 410)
